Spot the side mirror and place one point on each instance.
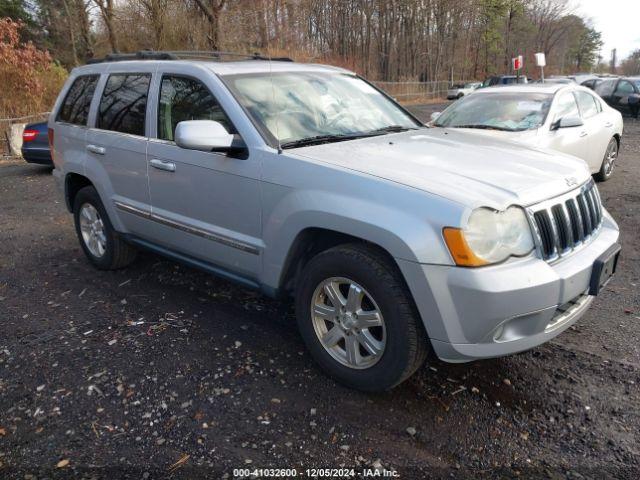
(569, 122)
(203, 135)
(435, 115)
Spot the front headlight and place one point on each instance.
(490, 237)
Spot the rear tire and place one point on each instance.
(103, 246)
(608, 162)
(385, 320)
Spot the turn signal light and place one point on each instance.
(459, 248)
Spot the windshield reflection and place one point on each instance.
(293, 106)
(501, 111)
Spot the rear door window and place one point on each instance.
(75, 108)
(587, 104)
(123, 104)
(183, 98)
(624, 88)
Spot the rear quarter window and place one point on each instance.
(76, 104)
(587, 104)
(123, 104)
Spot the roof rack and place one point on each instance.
(177, 55)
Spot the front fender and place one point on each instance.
(405, 233)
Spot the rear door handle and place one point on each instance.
(583, 134)
(96, 149)
(162, 165)
(608, 124)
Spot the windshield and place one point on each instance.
(294, 106)
(500, 110)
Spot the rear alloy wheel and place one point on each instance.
(358, 319)
(608, 163)
(92, 230)
(102, 245)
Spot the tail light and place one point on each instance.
(29, 135)
(50, 136)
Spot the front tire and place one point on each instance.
(103, 246)
(357, 318)
(608, 162)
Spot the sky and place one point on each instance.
(617, 20)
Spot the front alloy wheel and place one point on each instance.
(608, 163)
(348, 323)
(358, 319)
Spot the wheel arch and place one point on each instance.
(311, 241)
(618, 138)
(73, 183)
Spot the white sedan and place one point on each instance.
(568, 118)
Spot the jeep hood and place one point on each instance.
(474, 170)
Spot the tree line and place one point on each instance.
(392, 40)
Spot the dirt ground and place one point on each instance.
(160, 371)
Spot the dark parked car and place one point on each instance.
(592, 83)
(504, 80)
(621, 93)
(35, 144)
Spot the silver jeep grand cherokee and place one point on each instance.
(395, 239)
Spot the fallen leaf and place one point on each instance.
(62, 463)
(179, 463)
(3, 432)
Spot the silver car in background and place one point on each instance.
(394, 240)
(567, 118)
(461, 89)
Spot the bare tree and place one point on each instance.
(212, 9)
(107, 13)
(383, 39)
(156, 9)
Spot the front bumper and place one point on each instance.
(503, 309)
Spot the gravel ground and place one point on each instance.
(160, 371)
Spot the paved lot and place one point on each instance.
(160, 371)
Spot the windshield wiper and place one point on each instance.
(320, 139)
(483, 127)
(392, 129)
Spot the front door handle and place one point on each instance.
(96, 149)
(583, 134)
(608, 124)
(162, 165)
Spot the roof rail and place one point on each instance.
(177, 55)
(141, 55)
(217, 54)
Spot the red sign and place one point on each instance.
(516, 63)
